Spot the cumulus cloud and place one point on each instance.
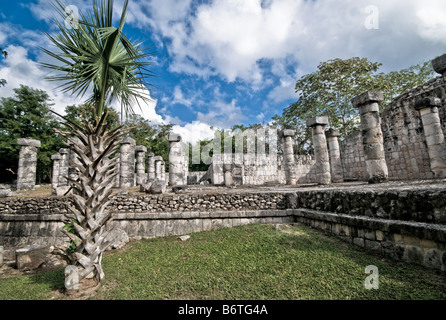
(222, 115)
(194, 132)
(229, 38)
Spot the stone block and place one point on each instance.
(174, 137)
(140, 149)
(28, 142)
(432, 259)
(428, 103)
(330, 133)
(317, 121)
(31, 257)
(287, 133)
(367, 97)
(439, 64)
(127, 140)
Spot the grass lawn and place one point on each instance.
(254, 262)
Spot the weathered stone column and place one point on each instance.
(372, 137)
(185, 168)
(317, 124)
(127, 173)
(227, 170)
(337, 173)
(288, 156)
(26, 173)
(163, 170)
(140, 165)
(158, 161)
(151, 167)
(428, 108)
(63, 167)
(176, 158)
(56, 172)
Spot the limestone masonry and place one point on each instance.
(382, 188)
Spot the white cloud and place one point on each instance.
(229, 37)
(194, 131)
(222, 115)
(19, 69)
(178, 97)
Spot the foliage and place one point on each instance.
(86, 113)
(152, 136)
(302, 138)
(98, 57)
(329, 90)
(26, 115)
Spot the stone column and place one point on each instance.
(372, 137)
(288, 156)
(428, 108)
(176, 158)
(56, 172)
(185, 168)
(151, 167)
(337, 173)
(163, 170)
(158, 161)
(227, 169)
(63, 167)
(73, 158)
(140, 165)
(127, 173)
(317, 124)
(26, 173)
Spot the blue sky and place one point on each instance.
(224, 62)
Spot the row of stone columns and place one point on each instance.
(328, 165)
(131, 165)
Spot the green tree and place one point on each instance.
(26, 115)
(302, 140)
(153, 137)
(94, 56)
(85, 112)
(329, 90)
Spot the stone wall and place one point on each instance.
(404, 222)
(404, 141)
(352, 156)
(262, 169)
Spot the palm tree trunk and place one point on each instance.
(93, 146)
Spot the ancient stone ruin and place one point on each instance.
(382, 188)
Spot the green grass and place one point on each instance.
(249, 262)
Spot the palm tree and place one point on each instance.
(98, 60)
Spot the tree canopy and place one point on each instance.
(27, 115)
(329, 90)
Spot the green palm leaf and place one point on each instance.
(99, 60)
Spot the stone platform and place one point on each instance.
(405, 220)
